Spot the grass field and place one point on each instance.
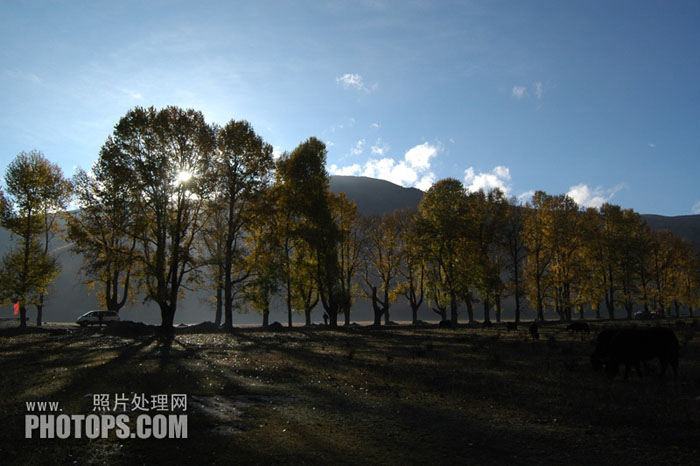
(357, 396)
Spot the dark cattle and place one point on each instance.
(487, 324)
(512, 326)
(578, 327)
(631, 346)
(602, 347)
(534, 331)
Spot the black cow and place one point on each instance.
(631, 346)
(602, 347)
(578, 327)
(534, 330)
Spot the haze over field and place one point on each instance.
(69, 296)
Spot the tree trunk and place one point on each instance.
(266, 317)
(453, 310)
(470, 309)
(414, 312)
(22, 316)
(487, 310)
(347, 316)
(167, 314)
(498, 308)
(219, 305)
(307, 317)
(39, 310)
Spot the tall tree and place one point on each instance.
(304, 181)
(164, 157)
(412, 268)
(443, 211)
(515, 245)
(102, 231)
(538, 257)
(382, 260)
(263, 261)
(242, 170)
(486, 225)
(350, 247)
(36, 193)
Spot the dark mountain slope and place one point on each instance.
(374, 196)
(683, 226)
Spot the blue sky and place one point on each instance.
(599, 99)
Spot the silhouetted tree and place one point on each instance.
(36, 193)
(166, 159)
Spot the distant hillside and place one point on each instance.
(684, 226)
(374, 196)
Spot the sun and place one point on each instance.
(184, 176)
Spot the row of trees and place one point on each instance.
(175, 204)
(561, 257)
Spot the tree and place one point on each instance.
(263, 262)
(242, 168)
(485, 259)
(382, 259)
(538, 257)
(443, 211)
(304, 290)
(36, 193)
(303, 181)
(102, 231)
(514, 240)
(164, 157)
(350, 246)
(412, 268)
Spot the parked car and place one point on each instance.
(98, 317)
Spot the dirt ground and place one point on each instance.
(399, 395)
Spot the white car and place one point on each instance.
(98, 317)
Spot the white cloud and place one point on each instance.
(352, 170)
(596, 197)
(277, 152)
(426, 182)
(412, 170)
(539, 89)
(358, 148)
(379, 148)
(499, 177)
(355, 81)
(375, 125)
(525, 197)
(519, 92)
(387, 169)
(419, 156)
(696, 208)
(651, 145)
